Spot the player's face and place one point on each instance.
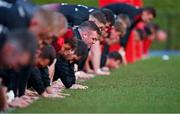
(113, 64)
(104, 31)
(66, 51)
(43, 62)
(90, 37)
(114, 34)
(147, 17)
(100, 25)
(73, 57)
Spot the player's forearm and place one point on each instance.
(3, 99)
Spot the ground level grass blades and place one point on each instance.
(151, 85)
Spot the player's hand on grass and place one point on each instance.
(45, 94)
(18, 103)
(83, 75)
(56, 95)
(100, 72)
(27, 99)
(49, 90)
(78, 86)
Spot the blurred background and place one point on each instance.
(168, 16)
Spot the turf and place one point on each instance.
(151, 85)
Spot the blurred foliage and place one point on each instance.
(168, 16)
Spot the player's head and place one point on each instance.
(124, 19)
(118, 30)
(81, 51)
(46, 56)
(89, 32)
(47, 24)
(19, 49)
(148, 14)
(110, 19)
(114, 60)
(68, 48)
(99, 19)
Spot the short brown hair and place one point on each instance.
(109, 15)
(71, 41)
(48, 52)
(150, 10)
(99, 15)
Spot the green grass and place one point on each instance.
(84, 2)
(151, 85)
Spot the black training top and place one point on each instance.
(64, 70)
(13, 17)
(82, 61)
(76, 14)
(39, 79)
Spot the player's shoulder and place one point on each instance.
(5, 4)
(87, 8)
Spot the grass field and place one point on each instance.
(151, 85)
